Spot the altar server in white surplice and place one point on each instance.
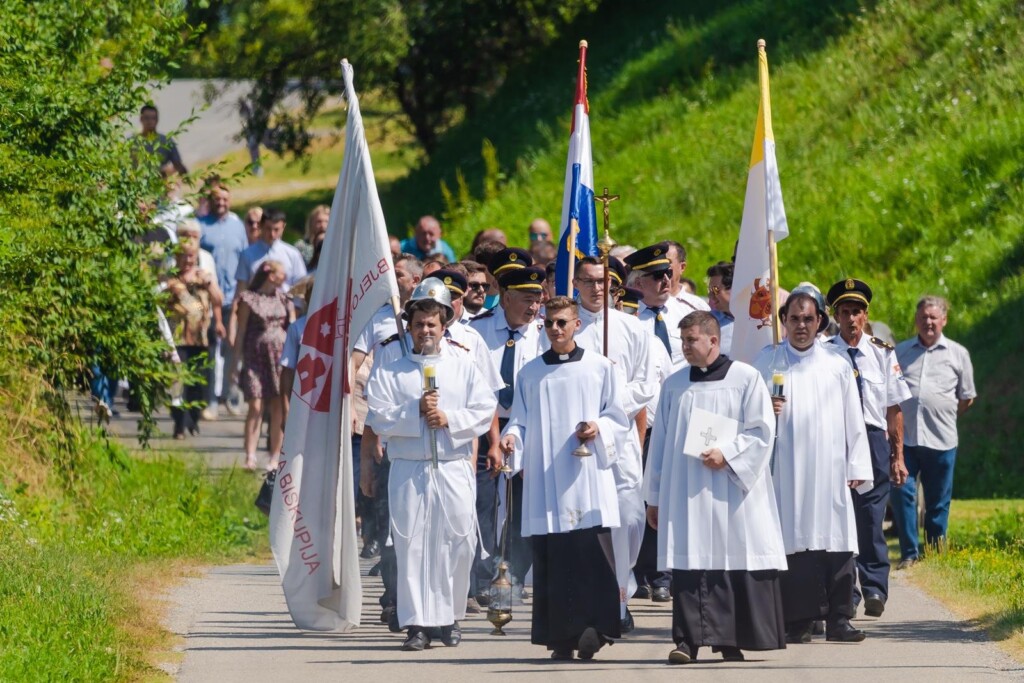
(628, 350)
(433, 520)
(821, 453)
(566, 396)
(710, 496)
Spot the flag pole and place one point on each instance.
(773, 256)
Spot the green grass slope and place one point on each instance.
(899, 130)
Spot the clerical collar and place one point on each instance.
(804, 353)
(715, 372)
(552, 358)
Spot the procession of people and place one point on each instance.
(572, 429)
(586, 421)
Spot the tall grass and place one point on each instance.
(85, 538)
(981, 573)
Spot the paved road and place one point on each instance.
(213, 132)
(234, 626)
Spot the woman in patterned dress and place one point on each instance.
(264, 313)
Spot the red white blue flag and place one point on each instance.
(578, 236)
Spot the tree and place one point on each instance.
(435, 58)
(72, 199)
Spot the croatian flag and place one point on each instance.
(578, 236)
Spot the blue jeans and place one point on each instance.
(934, 469)
(102, 386)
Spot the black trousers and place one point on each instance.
(486, 507)
(646, 568)
(869, 509)
(388, 560)
(193, 393)
(818, 585)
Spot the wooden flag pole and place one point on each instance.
(773, 256)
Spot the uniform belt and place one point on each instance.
(873, 428)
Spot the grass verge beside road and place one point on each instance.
(981, 575)
(84, 557)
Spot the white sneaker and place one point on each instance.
(211, 413)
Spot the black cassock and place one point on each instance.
(574, 587)
(720, 608)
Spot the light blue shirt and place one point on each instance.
(409, 246)
(226, 240)
(725, 321)
(258, 252)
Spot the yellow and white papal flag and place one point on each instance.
(763, 213)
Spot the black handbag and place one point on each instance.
(266, 493)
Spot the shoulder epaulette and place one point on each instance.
(486, 314)
(457, 344)
(390, 339)
(881, 342)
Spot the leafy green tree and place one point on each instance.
(436, 58)
(76, 292)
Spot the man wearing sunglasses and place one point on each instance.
(512, 334)
(659, 315)
(476, 290)
(628, 349)
(566, 398)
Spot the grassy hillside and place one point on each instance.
(899, 127)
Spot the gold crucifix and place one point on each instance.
(607, 243)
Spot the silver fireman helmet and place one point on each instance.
(432, 289)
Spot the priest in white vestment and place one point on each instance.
(710, 496)
(821, 454)
(433, 511)
(629, 351)
(566, 397)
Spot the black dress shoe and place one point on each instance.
(627, 624)
(643, 592)
(374, 570)
(799, 633)
(874, 604)
(561, 655)
(451, 636)
(590, 642)
(661, 594)
(416, 641)
(731, 654)
(386, 613)
(844, 632)
(370, 549)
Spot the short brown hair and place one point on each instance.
(471, 267)
(707, 323)
(559, 303)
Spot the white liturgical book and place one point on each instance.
(708, 430)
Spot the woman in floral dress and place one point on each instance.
(264, 313)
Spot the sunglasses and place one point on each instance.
(477, 285)
(659, 274)
(559, 323)
(718, 290)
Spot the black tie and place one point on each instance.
(660, 329)
(856, 373)
(508, 375)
